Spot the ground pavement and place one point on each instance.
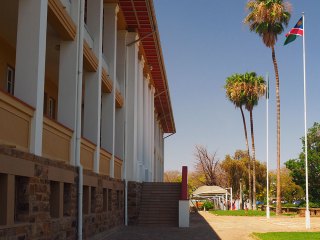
(240, 228)
(206, 226)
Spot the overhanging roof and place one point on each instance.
(140, 17)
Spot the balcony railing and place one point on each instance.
(87, 154)
(117, 168)
(15, 122)
(56, 140)
(105, 158)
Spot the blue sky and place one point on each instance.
(204, 42)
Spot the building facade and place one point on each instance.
(84, 106)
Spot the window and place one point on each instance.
(85, 11)
(10, 80)
(52, 108)
(67, 200)
(93, 199)
(85, 206)
(121, 199)
(118, 199)
(109, 199)
(45, 102)
(105, 199)
(21, 213)
(3, 198)
(54, 199)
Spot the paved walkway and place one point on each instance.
(206, 226)
(240, 228)
(198, 230)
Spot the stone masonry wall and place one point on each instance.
(32, 210)
(102, 219)
(134, 200)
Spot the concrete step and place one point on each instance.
(159, 204)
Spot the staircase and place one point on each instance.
(160, 204)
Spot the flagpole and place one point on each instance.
(307, 213)
(267, 120)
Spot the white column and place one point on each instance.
(108, 100)
(161, 153)
(149, 132)
(157, 150)
(70, 84)
(146, 125)
(131, 108)
(30, 63)
(120, 112)
(141, 120)
(92, 98)
(152, 167)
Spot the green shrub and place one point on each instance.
(288, 205)
(208, 205)
(311, 204)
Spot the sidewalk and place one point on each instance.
(198, 230)
(206, 226)
(240, 228)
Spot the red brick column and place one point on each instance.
(184, 184)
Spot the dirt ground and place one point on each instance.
(206, 226)
(240, 228)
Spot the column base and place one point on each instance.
(184, 214)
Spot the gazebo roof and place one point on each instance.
(209, 191)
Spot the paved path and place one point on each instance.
(198, 230)
(238, 228)
(206, 226)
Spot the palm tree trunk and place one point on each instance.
(248, 151)
(278, 210)
(253, 163)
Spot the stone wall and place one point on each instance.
(44, 201)
(134, 200)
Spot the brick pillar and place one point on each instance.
(184, 184)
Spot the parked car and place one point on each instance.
(296, 202)
(259, 202)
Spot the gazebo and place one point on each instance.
(214, 193)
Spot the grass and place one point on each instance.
(287, 235)
(240, 213)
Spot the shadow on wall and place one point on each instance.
(199, 229)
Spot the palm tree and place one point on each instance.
(268, 18)
(234, 92)
(255, 87)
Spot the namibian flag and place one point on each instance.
(294, 32)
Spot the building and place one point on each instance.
(84, 106)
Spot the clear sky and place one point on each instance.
(205, 41)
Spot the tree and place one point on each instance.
(255, 87)
(195, 179)
(289, 189)
(234, 92)
(297, 166)
(236, 171)
(268, 18)
(172, 176)
(208, 166)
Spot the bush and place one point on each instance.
(207, 205)
(288, 205)
(311, 204)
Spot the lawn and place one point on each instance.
(287, 235)
(240, 213)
